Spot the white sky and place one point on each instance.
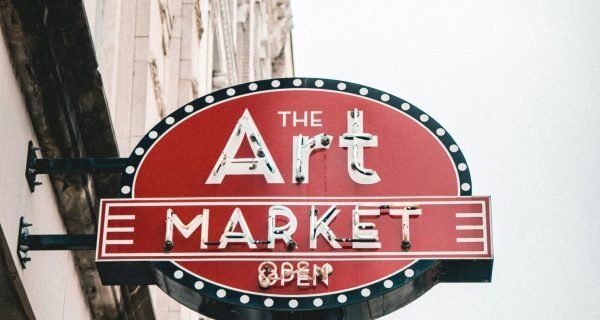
(517, 84)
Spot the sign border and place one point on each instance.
(106, 205)
(420, 276)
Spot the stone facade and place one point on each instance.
(88, 79)
(161, 54)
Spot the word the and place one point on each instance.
(304, 119)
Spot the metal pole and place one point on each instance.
(89, 165)
(61, 242)
(35, 166)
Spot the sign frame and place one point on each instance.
(368, 301)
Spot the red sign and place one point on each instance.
(296, 194)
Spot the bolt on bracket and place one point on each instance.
(35, 166)
(29, 242)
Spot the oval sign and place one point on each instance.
(294, 195)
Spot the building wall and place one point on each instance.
(51, 281)
(157, 55)
(153, 57)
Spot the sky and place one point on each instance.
(517, 85)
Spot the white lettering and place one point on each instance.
(287, 273)
(304, 118)
(321, 274)
(283, 232)
(229, 235)
(187, 229)
(364, 234)
(355, 140)
(303, 279)
(406, 213)
(261, 164)
(296, 120)
(314, 121)
(321, 227)
(268, 275)
(302, 149)
(284, 115)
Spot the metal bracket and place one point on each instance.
(28, 242)
(35, 166)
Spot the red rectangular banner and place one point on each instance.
(258, 228)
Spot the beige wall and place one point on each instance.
(151, 59)
(50, 279)
(156, 55)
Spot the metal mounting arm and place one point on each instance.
(35, 166)
(28, 242)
